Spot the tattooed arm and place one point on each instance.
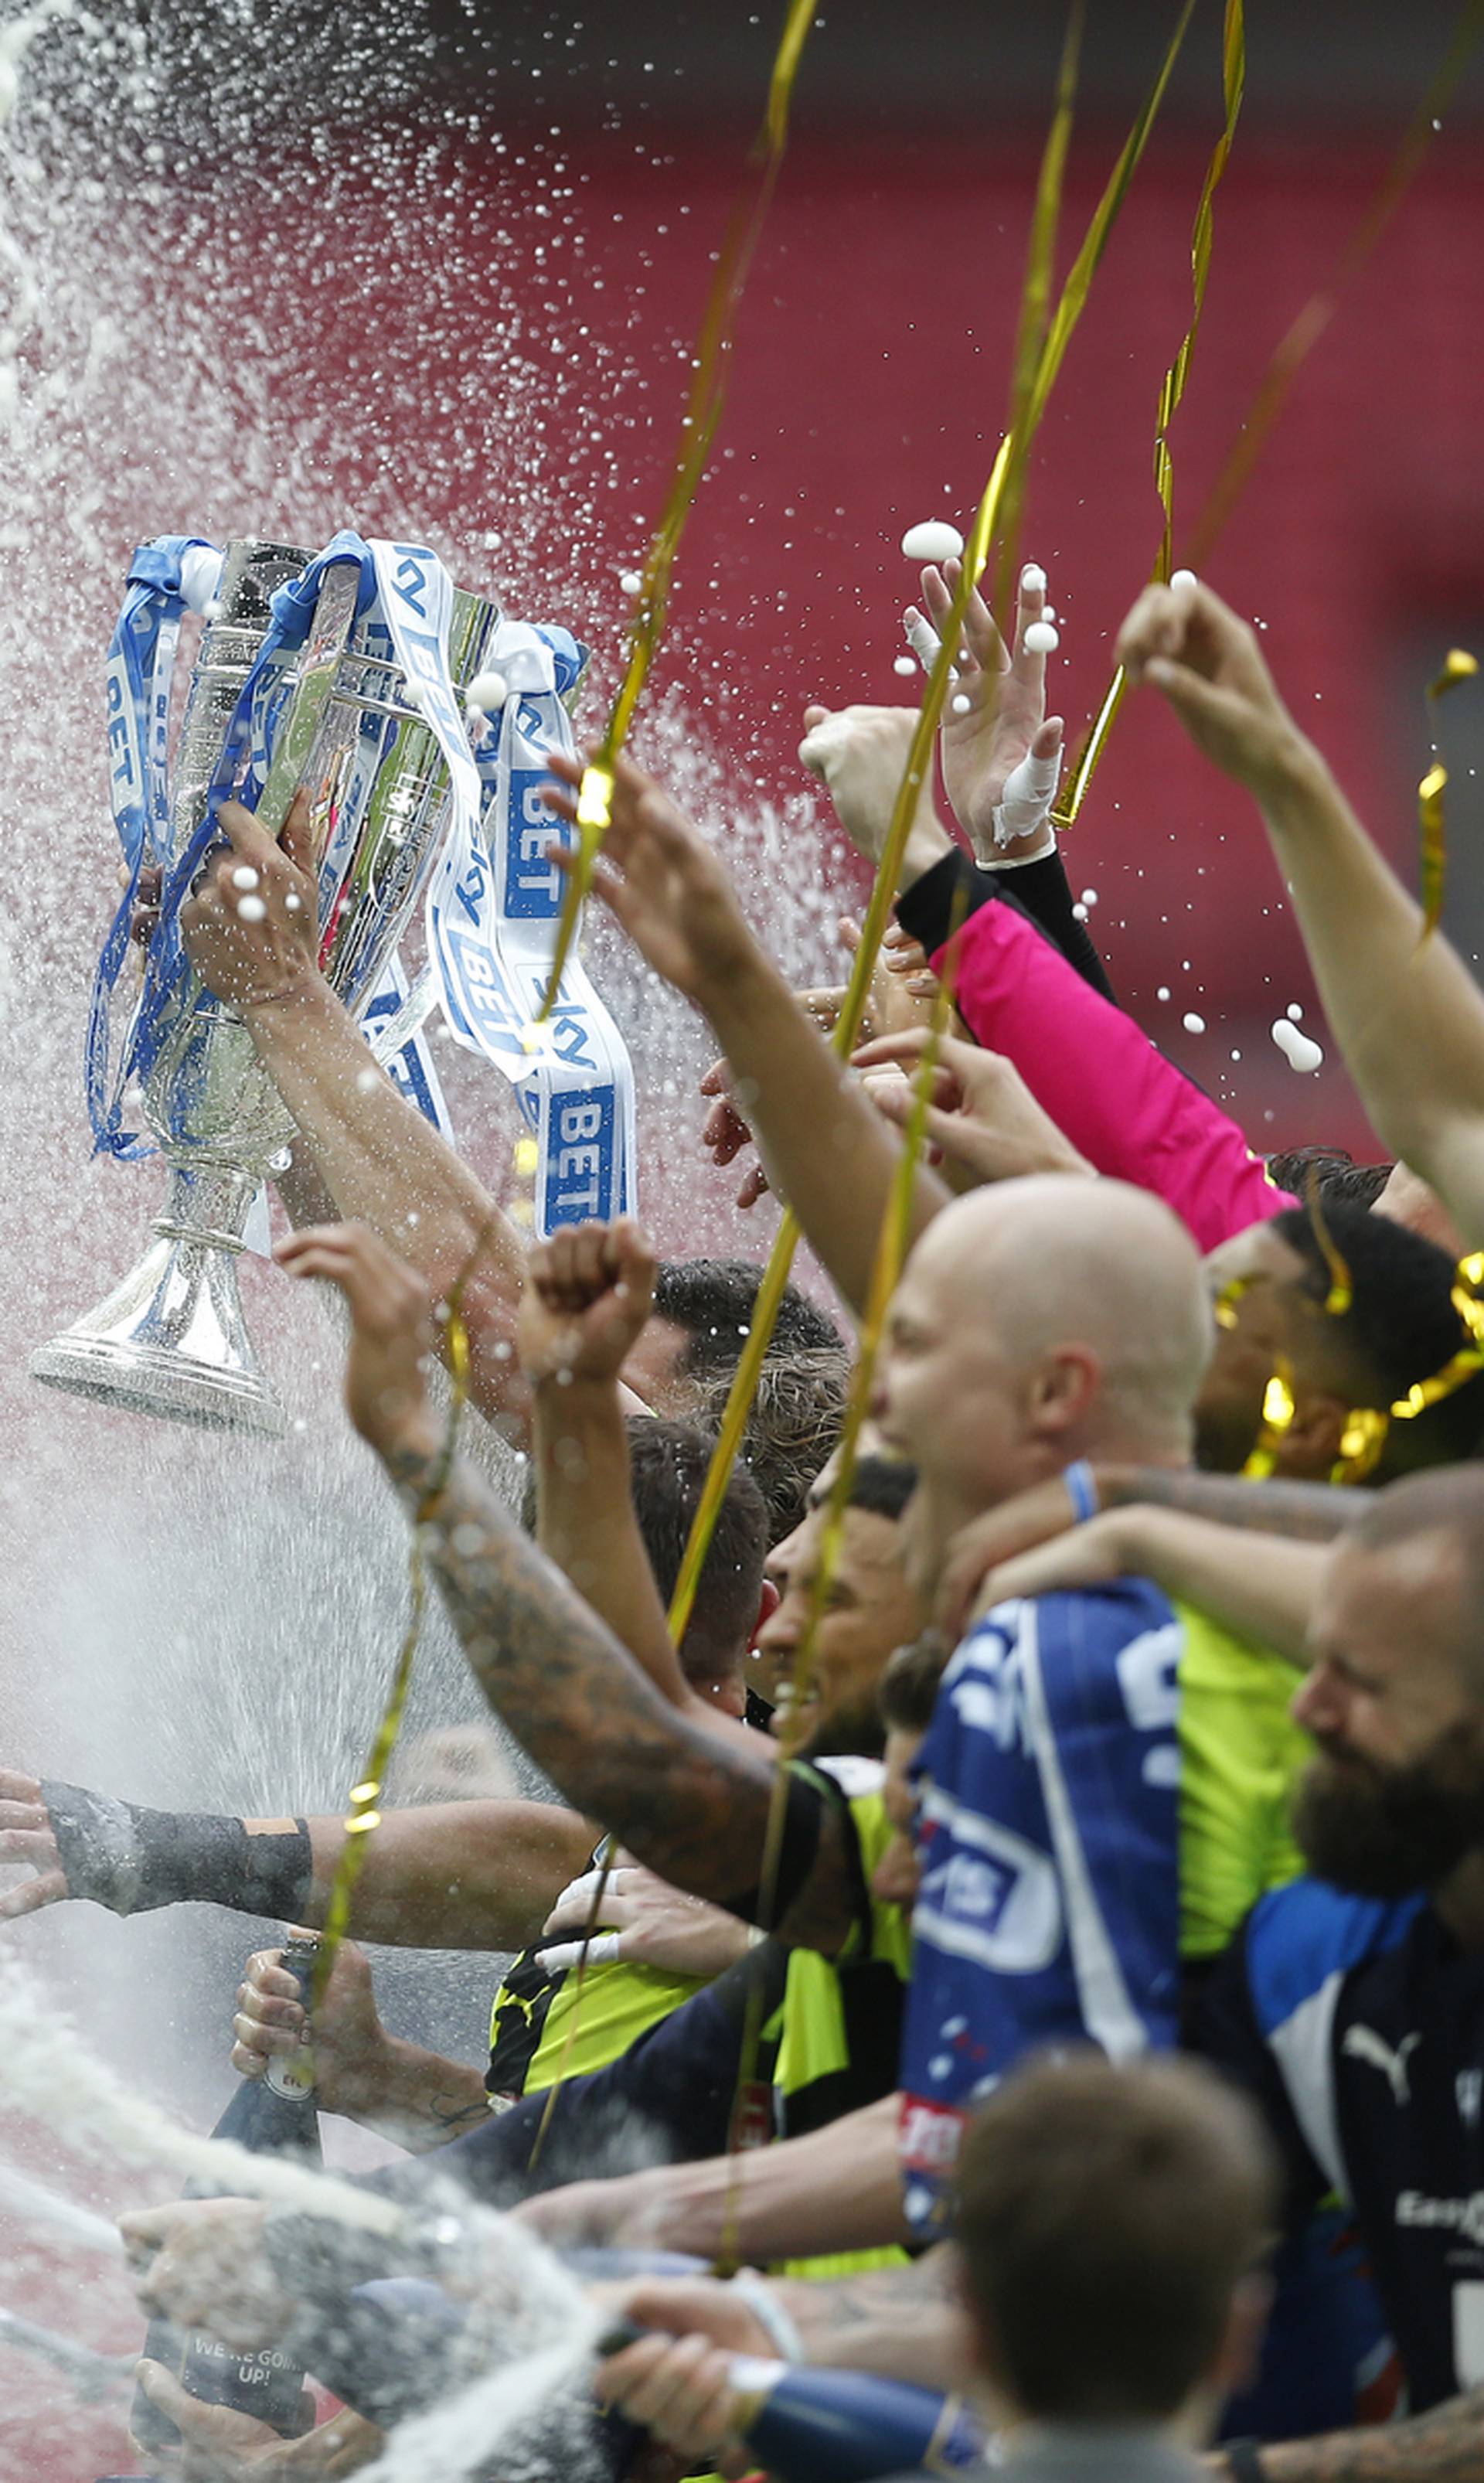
(692, 1807)
(1444, 2445)
(1309, 1512)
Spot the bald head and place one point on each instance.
(1435, 1524)
(1061, 1262)
(1042, 1320)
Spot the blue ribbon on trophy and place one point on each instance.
(336, 673)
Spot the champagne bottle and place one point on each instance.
(817, 2426)
(273, 2115)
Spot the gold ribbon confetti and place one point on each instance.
(364, 1817)
(1291, 354)
(1234, 80)
(697, 428)
(1458, 666)
(1013, 451)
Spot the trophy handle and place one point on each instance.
(172, 1338)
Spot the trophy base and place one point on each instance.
(172, 1340)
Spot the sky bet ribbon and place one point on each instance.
(164, 577)
(493, 911)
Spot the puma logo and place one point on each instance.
(1364, 2044)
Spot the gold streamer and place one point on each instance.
(364, 1818)
(1233, 79)
(1036, 297)
(698, 428)
(1458, 666)
(1012, 454)
(1317, 312)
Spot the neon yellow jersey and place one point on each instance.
(1240, 1751)
(828, 2020)
(619, 2004)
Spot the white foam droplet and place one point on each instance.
(244, 877)
(365, 1079)
(1183, 577)
(1295, 1011)
(293, 904)
(489, 692)
(630, 581)
(1079, 914)
(1300, 1051)
(904, 665)
(1033, 578)
(961, 704)
(934, 540)
(1163, 992)
(251, 909)
(1192, 1024)
(414, 694)
(1089, 896)
(1040, 639)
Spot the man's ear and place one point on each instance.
(768, 1603)
(1310, 1447)
(1062, 1389)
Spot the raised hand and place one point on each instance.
(668, 889)
(1001, 751)
(252, 939)
(589, 1293)
(861, 754)
(646, 1921)
(391, 1332)
(1208, 664)
(350, 2041)
(218, 2444)
(27, 1835)
(982, 1116)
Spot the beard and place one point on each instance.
(1386, 1831)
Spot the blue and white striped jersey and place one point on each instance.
(1050, 1905)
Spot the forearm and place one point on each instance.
(905, 2323)
(693, 1806)
(415, 2098)
(1119, 1102)
(1311, 1512)
(1262, 1587)
(839, 2189)
(461, 1875)
(386, 1167)
(1407, 1015)
(586, 1523)
(827, 1151)
(1446, 2445)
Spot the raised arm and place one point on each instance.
(1405, 1012)
(380, 1160)
(589, 1294)
(691, 1806)
(1119, 1105)
(826, 1149)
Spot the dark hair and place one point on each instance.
(1402, 1327)
(907, 1692)
(1105, 2216)
(668, 1467)
(883, 1485)
(713, 1300)
(793, 1424)
(1341, 1181)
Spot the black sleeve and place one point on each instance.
(944, 898)
(1222, 2026)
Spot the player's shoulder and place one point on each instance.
(1301, 1937)
(1107, 1614)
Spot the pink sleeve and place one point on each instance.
(1119, 1102)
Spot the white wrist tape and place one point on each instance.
(769, 2312)
(1026, 805)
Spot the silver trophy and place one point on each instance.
(171, 1339)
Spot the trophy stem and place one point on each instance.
(171, 1339)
